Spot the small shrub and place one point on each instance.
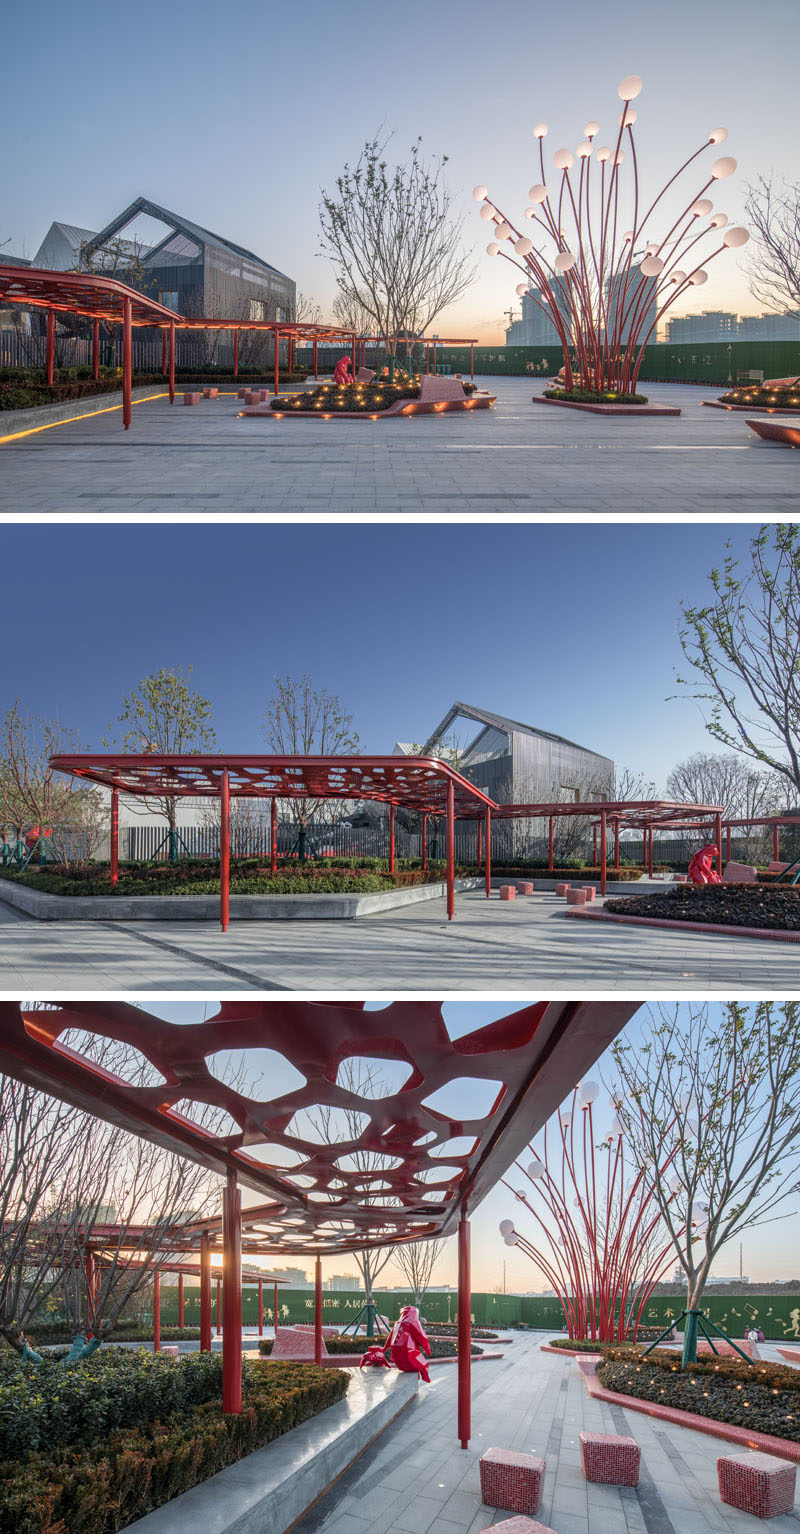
(595, 397)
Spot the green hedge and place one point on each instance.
(765, 1397)
(165, 879)
(109, 1481)
(441, 1347)
(51, 1333)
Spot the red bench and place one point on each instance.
(757, 1484)
(512, 1480)
(610, 1460)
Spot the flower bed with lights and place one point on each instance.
(603, 261)
(373, 401)
(355, 399)
(781, 400)
(770, 907)
(763, 1398)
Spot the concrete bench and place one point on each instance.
(511, 1480)
(561, 889)
(192, 399)
(609, 1459)
(525, 889)
(508, 892)
(210, 393)
(575, 897)
(777, 868)
(757, 1484)
(522, 1526)
(739, 873)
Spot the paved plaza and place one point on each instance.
(415, 1478)
(491, 945)
(517, 457)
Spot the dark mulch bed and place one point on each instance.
(730, 905)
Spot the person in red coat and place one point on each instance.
(408, 1343)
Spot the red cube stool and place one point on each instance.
(171, 1349)
(508, 892)
(523, 1526)
(192, 399)
(561, 889)
(242, 393)
(263, 394)
(210, 393)
(511, 1480)
(590, 892)
(757, 1484)
(575, 897)
(609, 1459)
(524, 889)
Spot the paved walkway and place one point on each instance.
(517, 457)
(415, 1478)
(520, 946)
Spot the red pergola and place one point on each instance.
(92, 296)
(318, 1202)
(419, 783)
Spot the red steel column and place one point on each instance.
(776, 837)
(603, 852)
(95, 350)
(464, 1332)
(318, 1310)
(164, 363)
(115, 836)
(479, 826)
(172, 362)
(127, 362)
(205, 1294)
(273, 835)
(434, 354)
(180, 1299)
(236, 354)
(89, 1274)
(353, 350)
(156, 1311)
(594, 846)
(51, 345)
(488, 857)
(550, 842)
(650, 851)
(451, 850)
(275, 1310)
(290, 355)
(391, 838)
(427, 358)
(277, 377)
(261, 1307)
(616, 844)
(224, 850)
(314, 351)
(644, 849)
(472, 360)
(219, 1312)
(232, 1297)
(728, 842)
(424, 842)
(718, 838)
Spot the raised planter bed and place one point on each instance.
(785, 432)
(762, 906)
(433, 397)
(598, 408)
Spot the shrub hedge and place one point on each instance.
(441, 1347)
(323, 878)
(53, 1332)
(102, 1484)
(595, 397)
(765, 1397)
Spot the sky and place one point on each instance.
(770, 1251)
(400, 622)
(237, 116)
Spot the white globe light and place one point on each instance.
(702, 207)
(615, 1130)
(627, 118)
(506, 1227)
(492, 249)
(591, 129)
(512, 1239)
(536, 1168)
(563, 159)
(522, 287)
(566, 1119)
(619, 157)
(736, 236)
(683, 1101)
(502, 230)
(675, 1184)
(479, 192)
(717, 135)
(589, 1091)
(529, 213)
(678, 275)
(627, 237)
(630, 87)
(652, 250)
(651, 266)
(540, 131)
(585, 149)
(523, 246)
(719, 221)
(564, 262)
(538, 193)
(698, 278)
(488, 212)
(603, 153)
(724, 167)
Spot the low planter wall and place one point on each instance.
(206, 907)
(13, 421)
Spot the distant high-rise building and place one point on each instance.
(769, 327)
(294, 1276)
(638, 304)
(536, 327)
(711, 325)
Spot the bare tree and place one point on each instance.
(743, 645)
(32, 793)
(394, 240)
(416, 1262)
(165, 716)
(306, 309)
(303, 721)
(774, 268)
(717, 1084)
(351, 313)
(743, 791)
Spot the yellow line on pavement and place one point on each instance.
(107, 410)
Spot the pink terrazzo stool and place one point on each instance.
(757, 1483)
(511, 1480)
(508, 892)
(576, 897)
(561, 889)
(610, 1460)
(524, 889)
(192, 398)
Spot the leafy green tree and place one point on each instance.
(166, 717)
(743, 647)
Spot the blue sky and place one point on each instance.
(237, 115)
(572, 628)
(770, 1251)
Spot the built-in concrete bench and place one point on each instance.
(757, 1483)
(609, 1459)
(739, 873)
(511, 1480)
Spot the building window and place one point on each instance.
(169, 301)
(258, 309)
